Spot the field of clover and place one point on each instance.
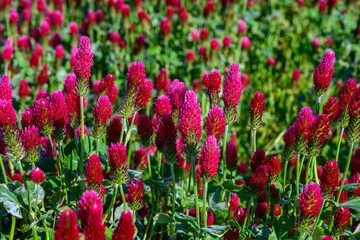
(179, 119)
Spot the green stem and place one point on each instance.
(112, 202)
(204, 203)
(159, 165)
(254, 140)
(26, 186)
(252, 217)
(318, 217)
(122, 129)
(3, 170)
(12, 229)
(82, 144)
(297, 175)
(128, 135)
(318, 105)
(189, 179)
(315, 171)
(151, 217)
(285, 169)
(97, 146)
(339, 143)
(247, 215)
(195, 191)
(173, 188)
(183, 181)
(343, 181)
(149, 161)
(123, 196)
(224, 153)
(35, 233)
(308, 169)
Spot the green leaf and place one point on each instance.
(37, 193)
(283, 225)
(220, 210)
(216, 197)
(188, 224)
(353, 204)
(69, 148)
(135, 173)
(71, 161)
(10, 201)
(42, 217)
(230, 186)
(349, 187)
(216, 230)
(264, 234)
(163, 218)
(119, 211)
(325, 214)
(318, 233)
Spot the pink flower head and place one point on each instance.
(30, 139)
(245, 43)
(125, 230)
(37, 176)
(95, 228)
(232, 93)
(135, 75)
(145, 129)
(94, 173)
(113, 94)
(204, 34)
(165, 27)
(69, 84)
(296, 75)
(162, 106)
(323, 73)
(24, 89)
(83, 61)
(5, 88)
(209, 160)
(87, 200)
(341, 220)
(44, 29)
(319, 130)
(73, 28)
(140, 158)
(274, 167)
(14, 16)
(8, 50)
(118, 160)
(241, 27)
(107, 83)
(234, 204)
(57, 18)
(135, 194)
(289, 140)
(59, 52)
(271, 62)
(256, 108)
(302, 127)
(177, 94)
(231, 156)
(66, 227)
(244, 80)
(331, 108)
(59, 109)
(114, 131)
(226, 41)
(162, 83)
(355, 179)
(44, 116)
(242, 168)
(144, 94)
(352, 132)
(214, 43)
(7, 114)
(315, 43)
(322, 6)
(258, 180)
(43, 77)
(102, 116)
(259, 158)
(344, 101)
(310, 203)
(212, 83)
(27, 118)
(190, 120)
(190, 56)
(166, 138)
(215, 122)
(329, 178)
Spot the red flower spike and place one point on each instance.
(355, 179)
(94, 228)
(302, 127)
(176, 94)
(215, 122)
(344, 101)
(102, 116)
(274, 167)
(94, 173)
(66, 227)
(140, 158)
(24, 90)
(59, 109)
(162, 106)
(135, 194)
(114, 130)
(43, 77)
(258, 180)
(162, 83)
(126, 227)
(341, 220)
(37, 176)
(323, 73)
(212, 83)
(233, 206)
(319, 130)
(331, 108)
(329, 178)
(209, 160)
(118, 160)
(5, 88)
(231, 156)
(145, 129)
(44, 116)
(289, 140)
(143, 95)
(310, 204)
(259, 158)
(88, 199)
(256, 108)
(7, 114)
(352, 132)
(166, 138)
(107, 84)
(30, 139)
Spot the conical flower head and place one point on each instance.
(212, 83)
(234, 204)
(27, 118)
(341, 220)
(331, 108)
(88, 199)
(83, 61)
(302, 127)
(43, 77)
(232, 93)
(323, 73)
(289, 140)
(5, 88)
(102, 116)
(258, 180)
(106, 84)
(145, 129)
(7, 114)
(231, 156)
(274, 167)
(215, 122)
(69, 84)
(355, 179)
(319, 130)
(177, 94)
(162, 83)
(162, 106)
(24, 89)
(94, 173)
(352, 132)
(135, 194)
(59, 109)
(118, 160)
(94, 228)
(125, 229)
(190, 125)
(256, 108)
(66, 227)
(209, 160)
(37, 176)
(30, 139)
(259, 158)
(310, 204)
(143, 95)
(344, 101)
(114, 130)
(166, 138)
(329, 178)
(44, 116)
